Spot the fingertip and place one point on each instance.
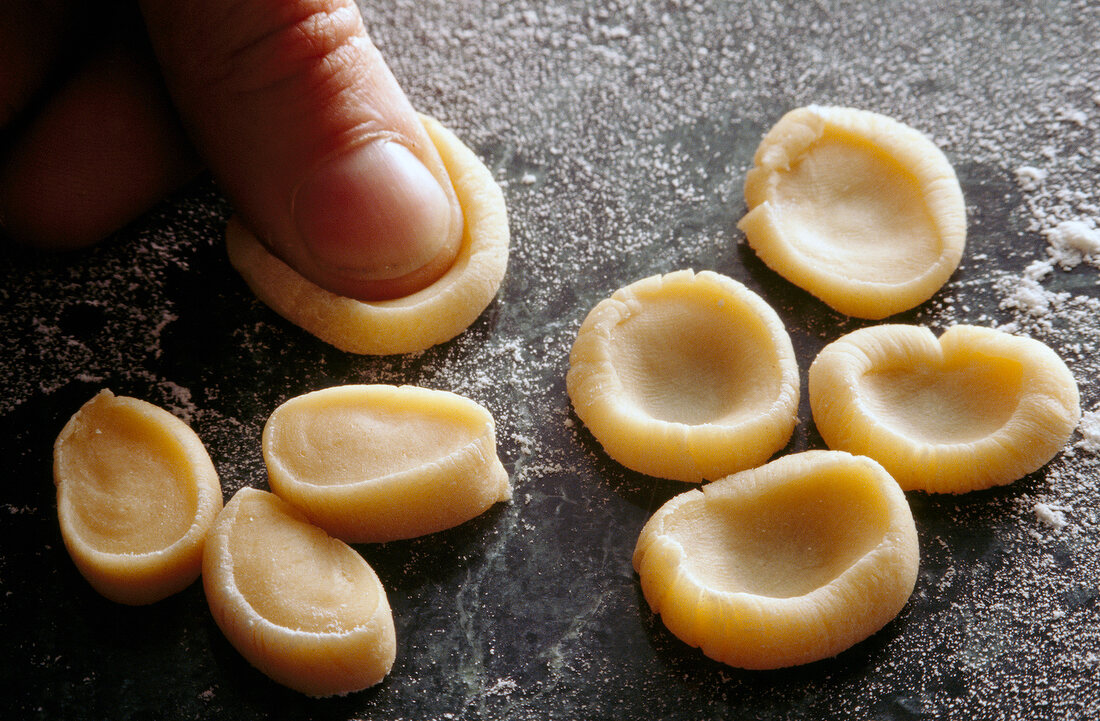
(372, 214)
(353, 286)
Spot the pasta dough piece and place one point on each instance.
(302, 607)
(685, 376)
(974, 409)
(784, 564)
(401, 325)
(136, 494)
(374, 463)
(858, 209)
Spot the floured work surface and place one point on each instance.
(629, 164)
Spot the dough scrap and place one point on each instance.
(302, 607)
(375, 463)
(401, 325)
(858, 209)
(973, 409)
(136, 495)
(788, 563)
(685, 376)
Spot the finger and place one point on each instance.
(32, 37)
(104, 149)
(307, 131)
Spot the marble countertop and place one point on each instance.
(621, 134)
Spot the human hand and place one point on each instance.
(287, 102)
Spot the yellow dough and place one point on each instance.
(374, 463)
(858, 209)
(976, 408)
(784, 564)
(136, 494)
(303, 607)
(402, 325)
(685, 376)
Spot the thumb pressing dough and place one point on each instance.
(858, 209)
(401, 325)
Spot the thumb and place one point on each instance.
(308, 133)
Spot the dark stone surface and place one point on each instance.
(532, 611)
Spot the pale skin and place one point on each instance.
(287, 102)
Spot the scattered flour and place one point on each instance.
(179, 401)
(1030, 177)
(1073, 242)
(541, 90)
(1027, 296)
(1050, 515)
(503, 687)
(1089, 428)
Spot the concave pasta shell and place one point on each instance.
(788, 563)
(373, 463)
(860, 210)
(972, 409)
(688, 376)
(322, 625)
(136, 495)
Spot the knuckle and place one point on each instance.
(308, 42)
